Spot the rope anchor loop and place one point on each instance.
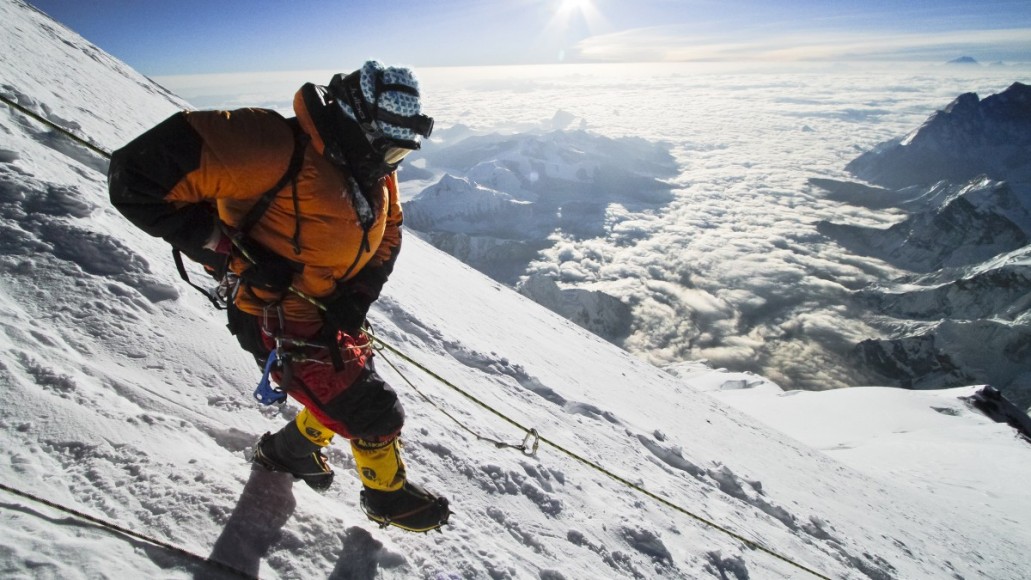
(531, 442)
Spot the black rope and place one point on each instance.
(127, 532)
(81, 140)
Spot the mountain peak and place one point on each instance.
(969, 137)
(965, 103)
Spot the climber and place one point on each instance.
(300, 220)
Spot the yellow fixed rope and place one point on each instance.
(622, 480)
(532, 439)
(56, 127)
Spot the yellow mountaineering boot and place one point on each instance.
(388, 497)
(297, 449)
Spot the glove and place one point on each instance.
(215, 253)
(267, 270)
(215, 264)
(346, 308)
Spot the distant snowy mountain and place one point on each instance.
(128, 417)
(504, 196)
(966, 139)
(525, 187)
(962, 180)
(489, 229)
(964, 60)
(948, 226)
(997, 288)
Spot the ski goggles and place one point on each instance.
(348, 90)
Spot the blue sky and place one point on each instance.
(201, 36)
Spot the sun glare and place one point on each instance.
(574, 5)
(571, 23)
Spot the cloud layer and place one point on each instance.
(733, 270)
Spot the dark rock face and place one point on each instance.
(997, 407)
(959, 226)
(960, 313)
(968, 138)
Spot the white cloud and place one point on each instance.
(732, 269)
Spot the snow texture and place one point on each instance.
(127, 399)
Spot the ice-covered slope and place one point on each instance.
(126, 399)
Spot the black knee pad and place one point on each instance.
(369, 407)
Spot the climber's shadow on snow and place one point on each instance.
(362, 556)
(265, 504)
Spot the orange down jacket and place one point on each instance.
(177, 179)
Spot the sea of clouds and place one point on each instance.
(732, 270)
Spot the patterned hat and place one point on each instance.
(387, 104)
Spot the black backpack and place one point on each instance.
(219, 297)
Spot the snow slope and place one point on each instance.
(126, 399)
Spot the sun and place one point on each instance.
(571, 22)
(574, 5)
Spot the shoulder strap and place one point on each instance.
(258, 209)
(296, 159)
(213, 296)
